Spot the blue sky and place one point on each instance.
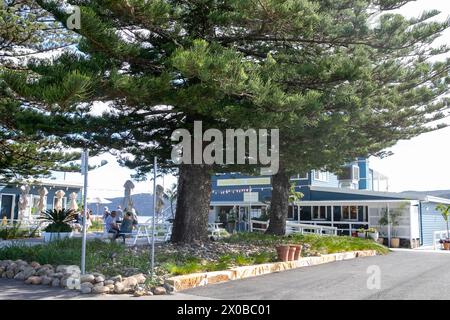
(421, 163)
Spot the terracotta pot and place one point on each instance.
(395, 242)
(298, 251)
(446, 245)
(292, 250)
(283, 253)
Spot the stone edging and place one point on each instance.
(193, 280)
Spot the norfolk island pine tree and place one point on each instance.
(254, 84)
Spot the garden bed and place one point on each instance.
(245, 249)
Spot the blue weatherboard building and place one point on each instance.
(10, 195)
(356, 198)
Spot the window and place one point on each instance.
(320, 175)
(355, 173)
(350, 212)
(319, 213)
(300, 177)
(35, 205)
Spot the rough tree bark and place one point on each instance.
(279, 203)
(193, 201)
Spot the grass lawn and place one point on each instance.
(238, 250)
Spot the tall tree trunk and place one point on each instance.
(193, 201)
(279, 204)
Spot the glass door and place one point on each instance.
(7, 206)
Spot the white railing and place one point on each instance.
(438, 235)
(258, 225)
(294, 227)
(352, 225)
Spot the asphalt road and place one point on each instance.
(403, 275)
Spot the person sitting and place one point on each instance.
(127, 225)
(111, 225)
(106, 213)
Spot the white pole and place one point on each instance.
(154, 216)
(83, 244)
(389, 225)
(250, 210)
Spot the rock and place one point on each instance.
(99, 279)
(42, 271)
(71, 269)
(87, 278)
(86, 285)
(139, 292)
(99, 284)
(159, 291)
(46, 280)
(98, 274)
(11, 267)
(9, 274)
(33, 280)
(117, 278)
(111, 287)
(35, 265)
(86, 290)
(108, 282)
(169, 288)
(119, 287)
(71, 282)
(140, 278)
(56, 282)
(100, 289)
(129, 282)
(25, 274)
(58, 275)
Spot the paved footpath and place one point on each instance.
(17, 290)
(404, 274)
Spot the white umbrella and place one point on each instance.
(42, 205)
(23, 201)
(127, 202)
(59, 196)
(73, 201)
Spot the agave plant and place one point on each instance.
(59, 219)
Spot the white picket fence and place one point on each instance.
(294, 227)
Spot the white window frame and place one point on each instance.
(349, 216)
(353, 171)
(298, 177)
(321, 176)
(13, 207)
(320, 215)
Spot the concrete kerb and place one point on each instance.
(204, 278)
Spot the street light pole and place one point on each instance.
(85, 209)
(154, 217)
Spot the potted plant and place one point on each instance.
(383, 222)
(361, 233)
(372, 233)
(445, 243)
(445, 212)
(59, 227)
(394, 219)
(283, 252)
